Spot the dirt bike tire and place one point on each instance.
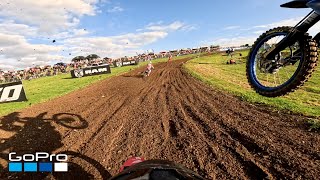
(303, 73)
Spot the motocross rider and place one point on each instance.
(149, 68)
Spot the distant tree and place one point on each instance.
(92, 56)
(78, 58)
(246, 45)
(61, 64)
(214, 46)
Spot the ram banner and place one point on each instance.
(125, 63)
(92, 70)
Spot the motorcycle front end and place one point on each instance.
(290, 57)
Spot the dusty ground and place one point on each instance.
(169, 116)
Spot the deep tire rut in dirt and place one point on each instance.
(170, 116)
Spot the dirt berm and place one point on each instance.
(169, 115)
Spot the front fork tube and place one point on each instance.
(284, 43)
(298, 32)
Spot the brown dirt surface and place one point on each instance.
(169, 115)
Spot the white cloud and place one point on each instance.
(49, 15)
(26, 25)
(17, 52)
(188, 28)
(259, 32)
(288, 22)
(80, 32)
(231, 27)
(228, 42)
(241, 39)
(177, 25)
(10, 27)
(70, 34)
(126, 44)
(30, 61)
(171, 27)
(285, 22)
(155, 23)
(236, 41)
(10, 40)
(6, 66)
(113, 46)
(115, 9)
(28, 28)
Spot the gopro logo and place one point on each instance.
(30, 162)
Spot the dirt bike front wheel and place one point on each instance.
(287, 71)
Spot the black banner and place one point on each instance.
(125, 63)
(128, 63)
(12, 92)
(89, 71)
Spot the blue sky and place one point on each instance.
(207, 16)
(115, 28)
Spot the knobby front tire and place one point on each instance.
(308, 62)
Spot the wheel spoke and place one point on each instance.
(279, 77)
(274, 80)
(263, 67)
(287, 74)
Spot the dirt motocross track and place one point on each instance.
(169, 115)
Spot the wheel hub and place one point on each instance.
(269, 66)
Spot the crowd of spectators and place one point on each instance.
(43, 71)
(33, 73)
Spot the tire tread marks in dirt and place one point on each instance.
(172, 116)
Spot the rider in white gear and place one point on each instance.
(149, 68)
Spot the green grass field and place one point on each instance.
(232, 78)
(44, 89)
(47, 88)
